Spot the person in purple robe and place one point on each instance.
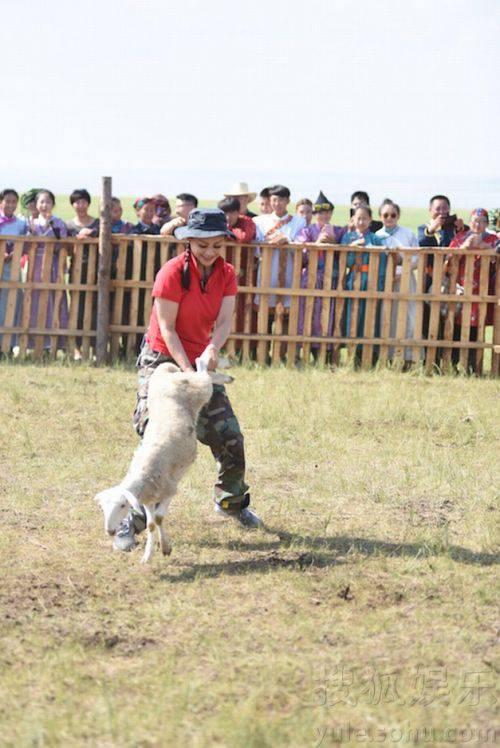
(321, 232)
(47, 225)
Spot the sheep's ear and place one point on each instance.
(132, 500)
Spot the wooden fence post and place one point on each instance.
(104, 274)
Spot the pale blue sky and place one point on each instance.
(193, 95)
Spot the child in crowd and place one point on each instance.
(304, 209)
(361, 236)
(118, 225)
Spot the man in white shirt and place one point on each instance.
(278, 227)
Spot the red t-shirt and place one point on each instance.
(244, 229)
(198, 308)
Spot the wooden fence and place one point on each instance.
(295, 303)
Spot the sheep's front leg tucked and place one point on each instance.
(150, 542)
(165, 544)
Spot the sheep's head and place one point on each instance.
(115, 507)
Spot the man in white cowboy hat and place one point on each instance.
(241, 191)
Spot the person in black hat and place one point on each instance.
(194, 296)
(322, 231)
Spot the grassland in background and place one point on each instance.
(368, 603)
(411, 217)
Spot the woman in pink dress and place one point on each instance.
(321, 232)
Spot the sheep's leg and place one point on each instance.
(150, 542)
(165, 544)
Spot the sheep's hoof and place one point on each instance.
(167, 551)
(146, 559)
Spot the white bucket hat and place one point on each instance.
(240, 188)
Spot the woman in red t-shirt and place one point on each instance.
(194, 296)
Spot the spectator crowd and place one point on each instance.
(312, 223)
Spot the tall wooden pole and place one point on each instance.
(104, 274)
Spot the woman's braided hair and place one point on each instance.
(186, 271)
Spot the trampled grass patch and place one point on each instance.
(366, 607)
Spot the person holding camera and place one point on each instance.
(437, 232)
(441, 227)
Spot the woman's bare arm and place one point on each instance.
(221, 332)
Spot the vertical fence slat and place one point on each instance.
(236, 263)
(134, 300)
(417, 351)
(117, 314)
(293, 320)
(248, 310)
(76, 277)
(58, 300)
(370, 310)
(386, 311)
(449, 321)
(43, 299)
(466, 310)
(495, 361)
(339, 307)
(327, 305)
(435, 303)
(484, 274)
(402, 308)
(89, 301)
(352, 332)
(310, 301)
(26, 309)
(263, 313)
(279, 309)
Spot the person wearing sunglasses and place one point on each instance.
(396, 236)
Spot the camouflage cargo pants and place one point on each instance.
(217, 427)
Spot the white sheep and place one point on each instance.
(168, 448)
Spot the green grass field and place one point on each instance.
(368, 605)
(411, 217)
